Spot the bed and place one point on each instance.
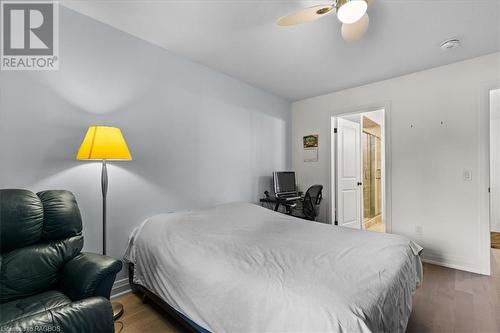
(239, 267)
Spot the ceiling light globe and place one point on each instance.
(354, 31)
(351, 11)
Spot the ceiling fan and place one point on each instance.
(352, 14)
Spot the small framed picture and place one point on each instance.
(311, 141)
(310, 144)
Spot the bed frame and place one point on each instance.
(146, 294)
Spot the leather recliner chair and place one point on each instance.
(46, 283)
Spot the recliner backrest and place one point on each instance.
(39, 233)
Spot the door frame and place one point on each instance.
(484, 177)
(387, 184)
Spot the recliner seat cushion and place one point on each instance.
(32, 305)
(93, 314)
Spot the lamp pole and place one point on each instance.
(104, 187)
(117, 307)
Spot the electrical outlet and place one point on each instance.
(419, 230)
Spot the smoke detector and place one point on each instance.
(450, 44)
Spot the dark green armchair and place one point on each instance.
(46, 283)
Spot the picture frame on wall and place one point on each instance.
(310, 147)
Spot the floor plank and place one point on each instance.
(495, 240)
(143, 317)
(448, 301)
(457, 301)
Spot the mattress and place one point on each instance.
(242, 268)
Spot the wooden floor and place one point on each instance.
(449, 301)
(143, 317)
(374, 224)
(457, 301)
(495, 240)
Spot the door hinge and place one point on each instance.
(334, 130)
(336, 222)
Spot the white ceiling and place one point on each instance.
(240, 38)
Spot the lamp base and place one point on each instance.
(117, 310)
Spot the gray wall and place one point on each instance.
(437, 130)
(197, 137)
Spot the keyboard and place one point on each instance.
(288, 196)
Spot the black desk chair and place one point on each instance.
(308, 208)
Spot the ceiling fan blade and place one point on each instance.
(354, 31)
(305, 15)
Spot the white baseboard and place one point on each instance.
(120, 287)
(434, 258)
(120, 294)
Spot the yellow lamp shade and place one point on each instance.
(103, 143)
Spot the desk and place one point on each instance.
(280, 201)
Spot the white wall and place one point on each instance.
(495, 159)
(428, 160)
(197, 137)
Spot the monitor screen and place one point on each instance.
(284, 181)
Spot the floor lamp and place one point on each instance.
(105, 143)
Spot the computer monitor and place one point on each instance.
(284, 182)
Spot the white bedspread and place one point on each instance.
(243, 268)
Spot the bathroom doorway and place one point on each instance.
(358, 170)
(371, 149)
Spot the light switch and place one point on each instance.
(468, 175)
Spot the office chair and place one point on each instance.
(308, 208)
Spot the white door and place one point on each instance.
(348, 174)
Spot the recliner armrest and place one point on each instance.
(88, 275)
